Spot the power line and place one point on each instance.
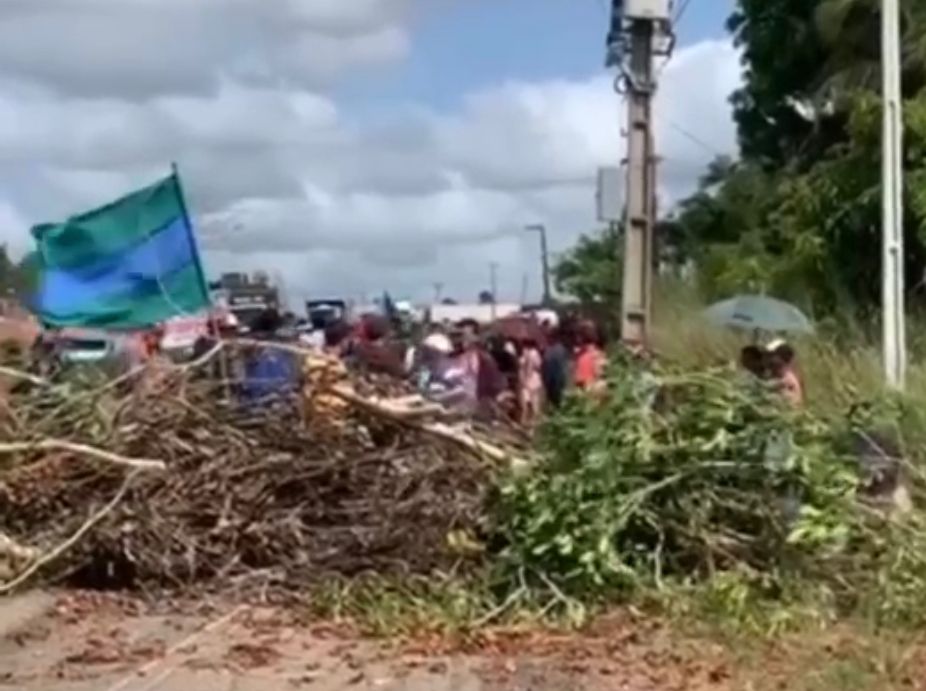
(694, 138)
(681, 11)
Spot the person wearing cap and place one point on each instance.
(781, 367)
(457, 375)
(425, 361)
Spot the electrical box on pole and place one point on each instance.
(639, 30)
(647, 10)
(609, 196)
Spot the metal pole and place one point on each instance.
(654, 251)
(493, 280)
(637, 275)
(544, 262)
(545, 255)
(895, 356)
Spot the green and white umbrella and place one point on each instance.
(759, 313)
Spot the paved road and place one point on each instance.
(87, 643)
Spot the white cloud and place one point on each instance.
(12, 224)
(531, 134)
(281, 177)
(136, 48)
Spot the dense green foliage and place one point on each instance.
(798, 214)
(669, 474)
(703, 479)
(809, 121)
(590, 271)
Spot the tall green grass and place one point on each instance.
(840, 365)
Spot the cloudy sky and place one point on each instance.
(345, 146)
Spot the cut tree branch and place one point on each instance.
(23, 376)
(82, 450)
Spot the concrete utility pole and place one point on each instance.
(893, 319)
(544, 261)
(640, 30)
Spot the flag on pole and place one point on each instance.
(130, 264)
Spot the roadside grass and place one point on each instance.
(793, 647)
(847, 657)
(840, 365)
(807, 654)
(444, 605)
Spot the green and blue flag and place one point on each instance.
(130, 264)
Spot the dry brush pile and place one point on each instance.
(246, 498)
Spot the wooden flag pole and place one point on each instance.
(213, 317)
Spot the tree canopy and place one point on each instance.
(798, 213)
(590, 271)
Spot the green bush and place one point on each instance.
(685, 478)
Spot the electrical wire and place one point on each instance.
(682, 8)
(694, 138)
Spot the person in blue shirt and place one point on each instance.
(270, 374)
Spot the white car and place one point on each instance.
(92, 346)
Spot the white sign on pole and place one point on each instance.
(610, 195)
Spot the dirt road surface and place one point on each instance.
(86, 642)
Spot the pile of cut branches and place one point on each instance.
(675, 477)
(163, 484)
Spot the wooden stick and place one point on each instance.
(49, 557)
(202, 359)
(83, 450)
(480, 448)
(385, 407)
(435, 429)
(23, 376)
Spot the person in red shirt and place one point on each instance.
(590, 359)
(374, 349)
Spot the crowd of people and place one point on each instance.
(489, 372)
(481, 371)
(485, 371)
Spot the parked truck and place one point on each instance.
(246, 297)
